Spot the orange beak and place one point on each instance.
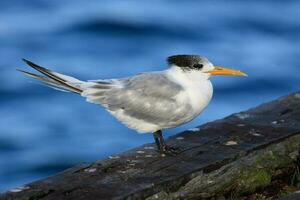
(225, 71)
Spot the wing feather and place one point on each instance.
(149, 96)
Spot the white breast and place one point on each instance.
(198, 89)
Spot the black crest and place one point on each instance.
(190, 61)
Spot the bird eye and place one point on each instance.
(198, 66)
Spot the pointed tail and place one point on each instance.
(54, 79)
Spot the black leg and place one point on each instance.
(159, 140)
(161, 145)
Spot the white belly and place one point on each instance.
(140, 125)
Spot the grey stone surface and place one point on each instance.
(236, 154)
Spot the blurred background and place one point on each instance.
(43, 131)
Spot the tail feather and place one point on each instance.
(54, 79)
(49, 82)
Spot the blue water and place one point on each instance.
(43, 131)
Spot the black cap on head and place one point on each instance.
(186, 60)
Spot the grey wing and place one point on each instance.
(150, 97)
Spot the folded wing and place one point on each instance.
(149, 98)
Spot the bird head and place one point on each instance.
(192, 63)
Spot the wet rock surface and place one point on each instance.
(236, 154)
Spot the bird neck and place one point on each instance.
(197, 87)
(187, 76)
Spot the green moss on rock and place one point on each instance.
(253, 178)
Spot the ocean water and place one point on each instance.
(43, 131)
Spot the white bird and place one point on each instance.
(151, 101)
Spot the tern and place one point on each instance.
(148, 102)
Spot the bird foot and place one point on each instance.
(162, 147)
(169, 151)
